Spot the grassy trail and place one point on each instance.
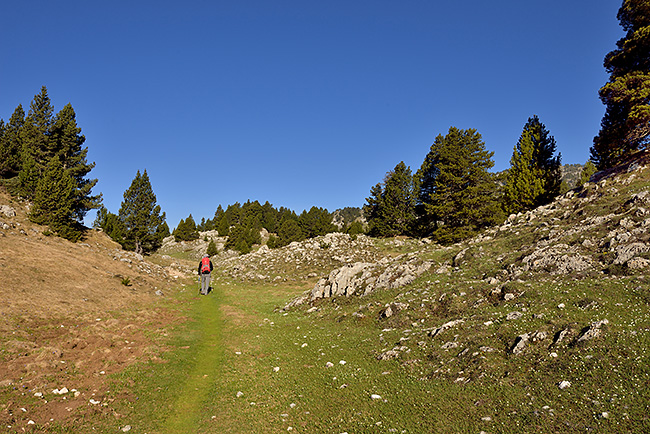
(206, 365)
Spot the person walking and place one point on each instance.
(205, 268)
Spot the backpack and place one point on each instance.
(205, 265)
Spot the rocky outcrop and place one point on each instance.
(362, 278)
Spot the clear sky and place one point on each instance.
(301, 103)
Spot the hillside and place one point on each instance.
(554, 306)
(539, 325)
(67, 318)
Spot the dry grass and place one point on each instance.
(68, 320)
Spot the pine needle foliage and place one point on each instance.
(141, 216)
(457, 194)
(390, 209)
(32, 149)
(534, 177)
(54, 202)
(625, 127)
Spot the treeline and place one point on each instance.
(243, 224)
(42, 159)
(453, 194)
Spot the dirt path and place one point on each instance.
(186, 411)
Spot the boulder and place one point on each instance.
(7, 211)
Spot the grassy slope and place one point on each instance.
(422, 391)
(464, 379)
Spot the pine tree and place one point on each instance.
(212, 248)
(625, 127)
(289, 232)
(390, 209)
(141, 216)
(586, 173)
(66, 141)
(114, 227)
(36, 151)
(11, 144)
(54, 201)
(457, 193)
(534, 177)
(186, 230)
(372, 210)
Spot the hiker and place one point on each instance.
(205, 267)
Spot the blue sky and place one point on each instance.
(301, 103)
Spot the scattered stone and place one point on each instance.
(388, 355)
(592, 331)
(240, 394)
(445, 326)
(520, 344)
(449, 345)
(564, 384)
(391, 309)
(375, 396)
(514, 316)
(159, 293)
(126, 428)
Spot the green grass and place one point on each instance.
(236, 338)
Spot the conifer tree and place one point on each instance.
(534, 177)
(372, 210)
(391, 207)
(212, 248)
(66, 141)
(625, 127)
(11, 144)
(111, 224)
(289, 232)
(457, 193)
(186, 230)
(587, 171)
(141, 216)
(36, 151)
(54, 201)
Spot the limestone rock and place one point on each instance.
(7, 211)
(593, 331)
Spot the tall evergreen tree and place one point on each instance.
(457, 193)
(11, 144)
(54, 201)
(625, 127)
(391, 208)
(141, 216)
(289, 232)
(186, 230)
(534, 177)
(67, 141)
(36, 151)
